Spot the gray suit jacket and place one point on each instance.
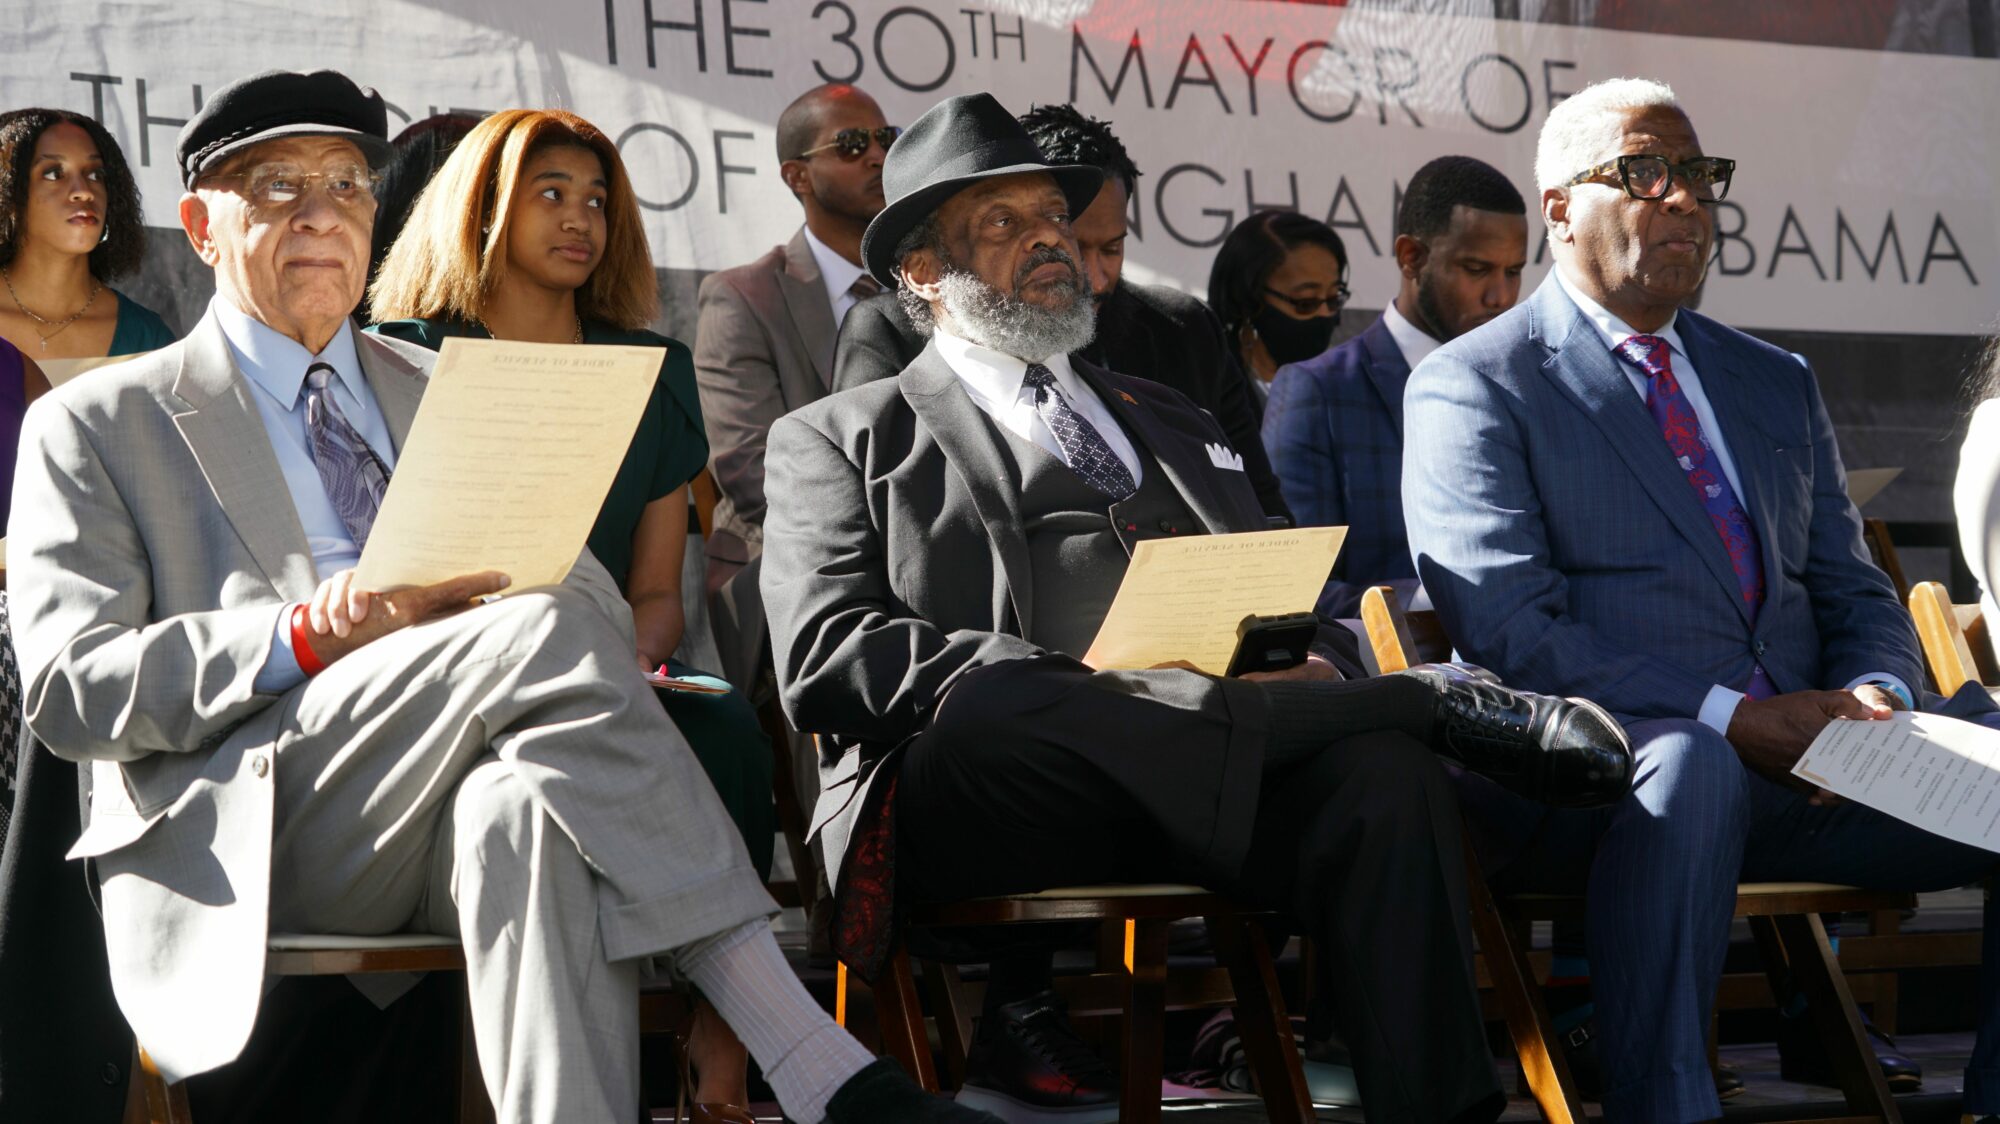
(896, 559)
(153, 543)
(763, 347)
(1565, 550)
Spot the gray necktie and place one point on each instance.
(354, 477)
(1083, 448)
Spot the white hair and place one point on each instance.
(1574, 134)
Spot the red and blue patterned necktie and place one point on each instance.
(1692, 451)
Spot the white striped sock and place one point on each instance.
(804, 1054)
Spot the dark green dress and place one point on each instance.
(668, 450)
(139, 328)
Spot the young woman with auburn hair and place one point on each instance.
(531, 231)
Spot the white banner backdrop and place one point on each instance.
(1865, 196)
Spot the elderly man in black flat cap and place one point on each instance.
(275, 748)
(940, 549)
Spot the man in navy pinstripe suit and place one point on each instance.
(1614, 497)
(1334, 425)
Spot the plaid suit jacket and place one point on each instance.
(1564, 549)
(1334, 429)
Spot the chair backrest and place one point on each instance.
(1956, 645)
(1399, 637)
(702, 490)
(1876, 534)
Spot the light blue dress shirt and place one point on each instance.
(275, 367)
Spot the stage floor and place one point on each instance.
(1765, 1097)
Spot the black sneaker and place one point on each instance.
(1027, 1065)
(1566, 753)
(883, 1092)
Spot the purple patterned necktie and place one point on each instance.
(1691, 450)
(1083, 448)
(354, 477)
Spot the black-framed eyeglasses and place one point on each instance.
(1310, 306)
(852, 144)
(1645, 176)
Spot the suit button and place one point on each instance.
(1757, 646)
(110, 1073)
(1168, 526)
(260, 765)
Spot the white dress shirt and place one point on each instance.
(1720, 705)
(836, 273)
(1415, 343)
(997, 383)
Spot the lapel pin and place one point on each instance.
(1128, 398)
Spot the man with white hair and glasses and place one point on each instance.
(1614, 497)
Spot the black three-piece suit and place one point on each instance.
(918, 559)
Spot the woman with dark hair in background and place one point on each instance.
(1278, 284)
(531, 231)
(419, 151)
(70, 220)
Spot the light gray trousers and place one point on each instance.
(506, 776)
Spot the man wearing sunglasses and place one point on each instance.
(763, 347)
(1612, 496)
(1149, 331)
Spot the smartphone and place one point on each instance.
(1272, 643)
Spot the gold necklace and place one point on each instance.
(96, 288)
(491, 334)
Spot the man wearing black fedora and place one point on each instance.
(276, 749)
(939, 549)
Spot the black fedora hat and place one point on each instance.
(955, 144)
(282, 103)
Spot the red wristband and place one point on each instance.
(302, 645)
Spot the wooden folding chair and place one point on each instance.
(294, 954)
(1136, 986)
(1956, 645)
(1784, 916)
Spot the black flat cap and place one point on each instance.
(282, 103)
(955, 144)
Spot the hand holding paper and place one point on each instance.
(1941, 774)
(508, 462)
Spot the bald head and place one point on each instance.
(800, 124)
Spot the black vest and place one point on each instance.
(1079, 542)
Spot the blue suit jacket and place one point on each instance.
(1334, 428)
(1565, 550)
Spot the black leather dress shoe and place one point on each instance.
(1566, 753)
(883, 1092)
(1802, 1057)
(1028, 1065)
(1728, 1081)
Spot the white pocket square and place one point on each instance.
(1221, 457)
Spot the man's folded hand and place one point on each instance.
(342, 618)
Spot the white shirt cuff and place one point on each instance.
(1719, 707)
(1902, 688)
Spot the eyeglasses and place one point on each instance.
(1308, 306)
(281, 185)
(1651, 177)
(853, 143)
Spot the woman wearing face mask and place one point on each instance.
(69, 222)
(1278, 284)
(531, 231)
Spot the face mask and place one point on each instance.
(1291, 340)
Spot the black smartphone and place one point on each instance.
(1272, 643)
